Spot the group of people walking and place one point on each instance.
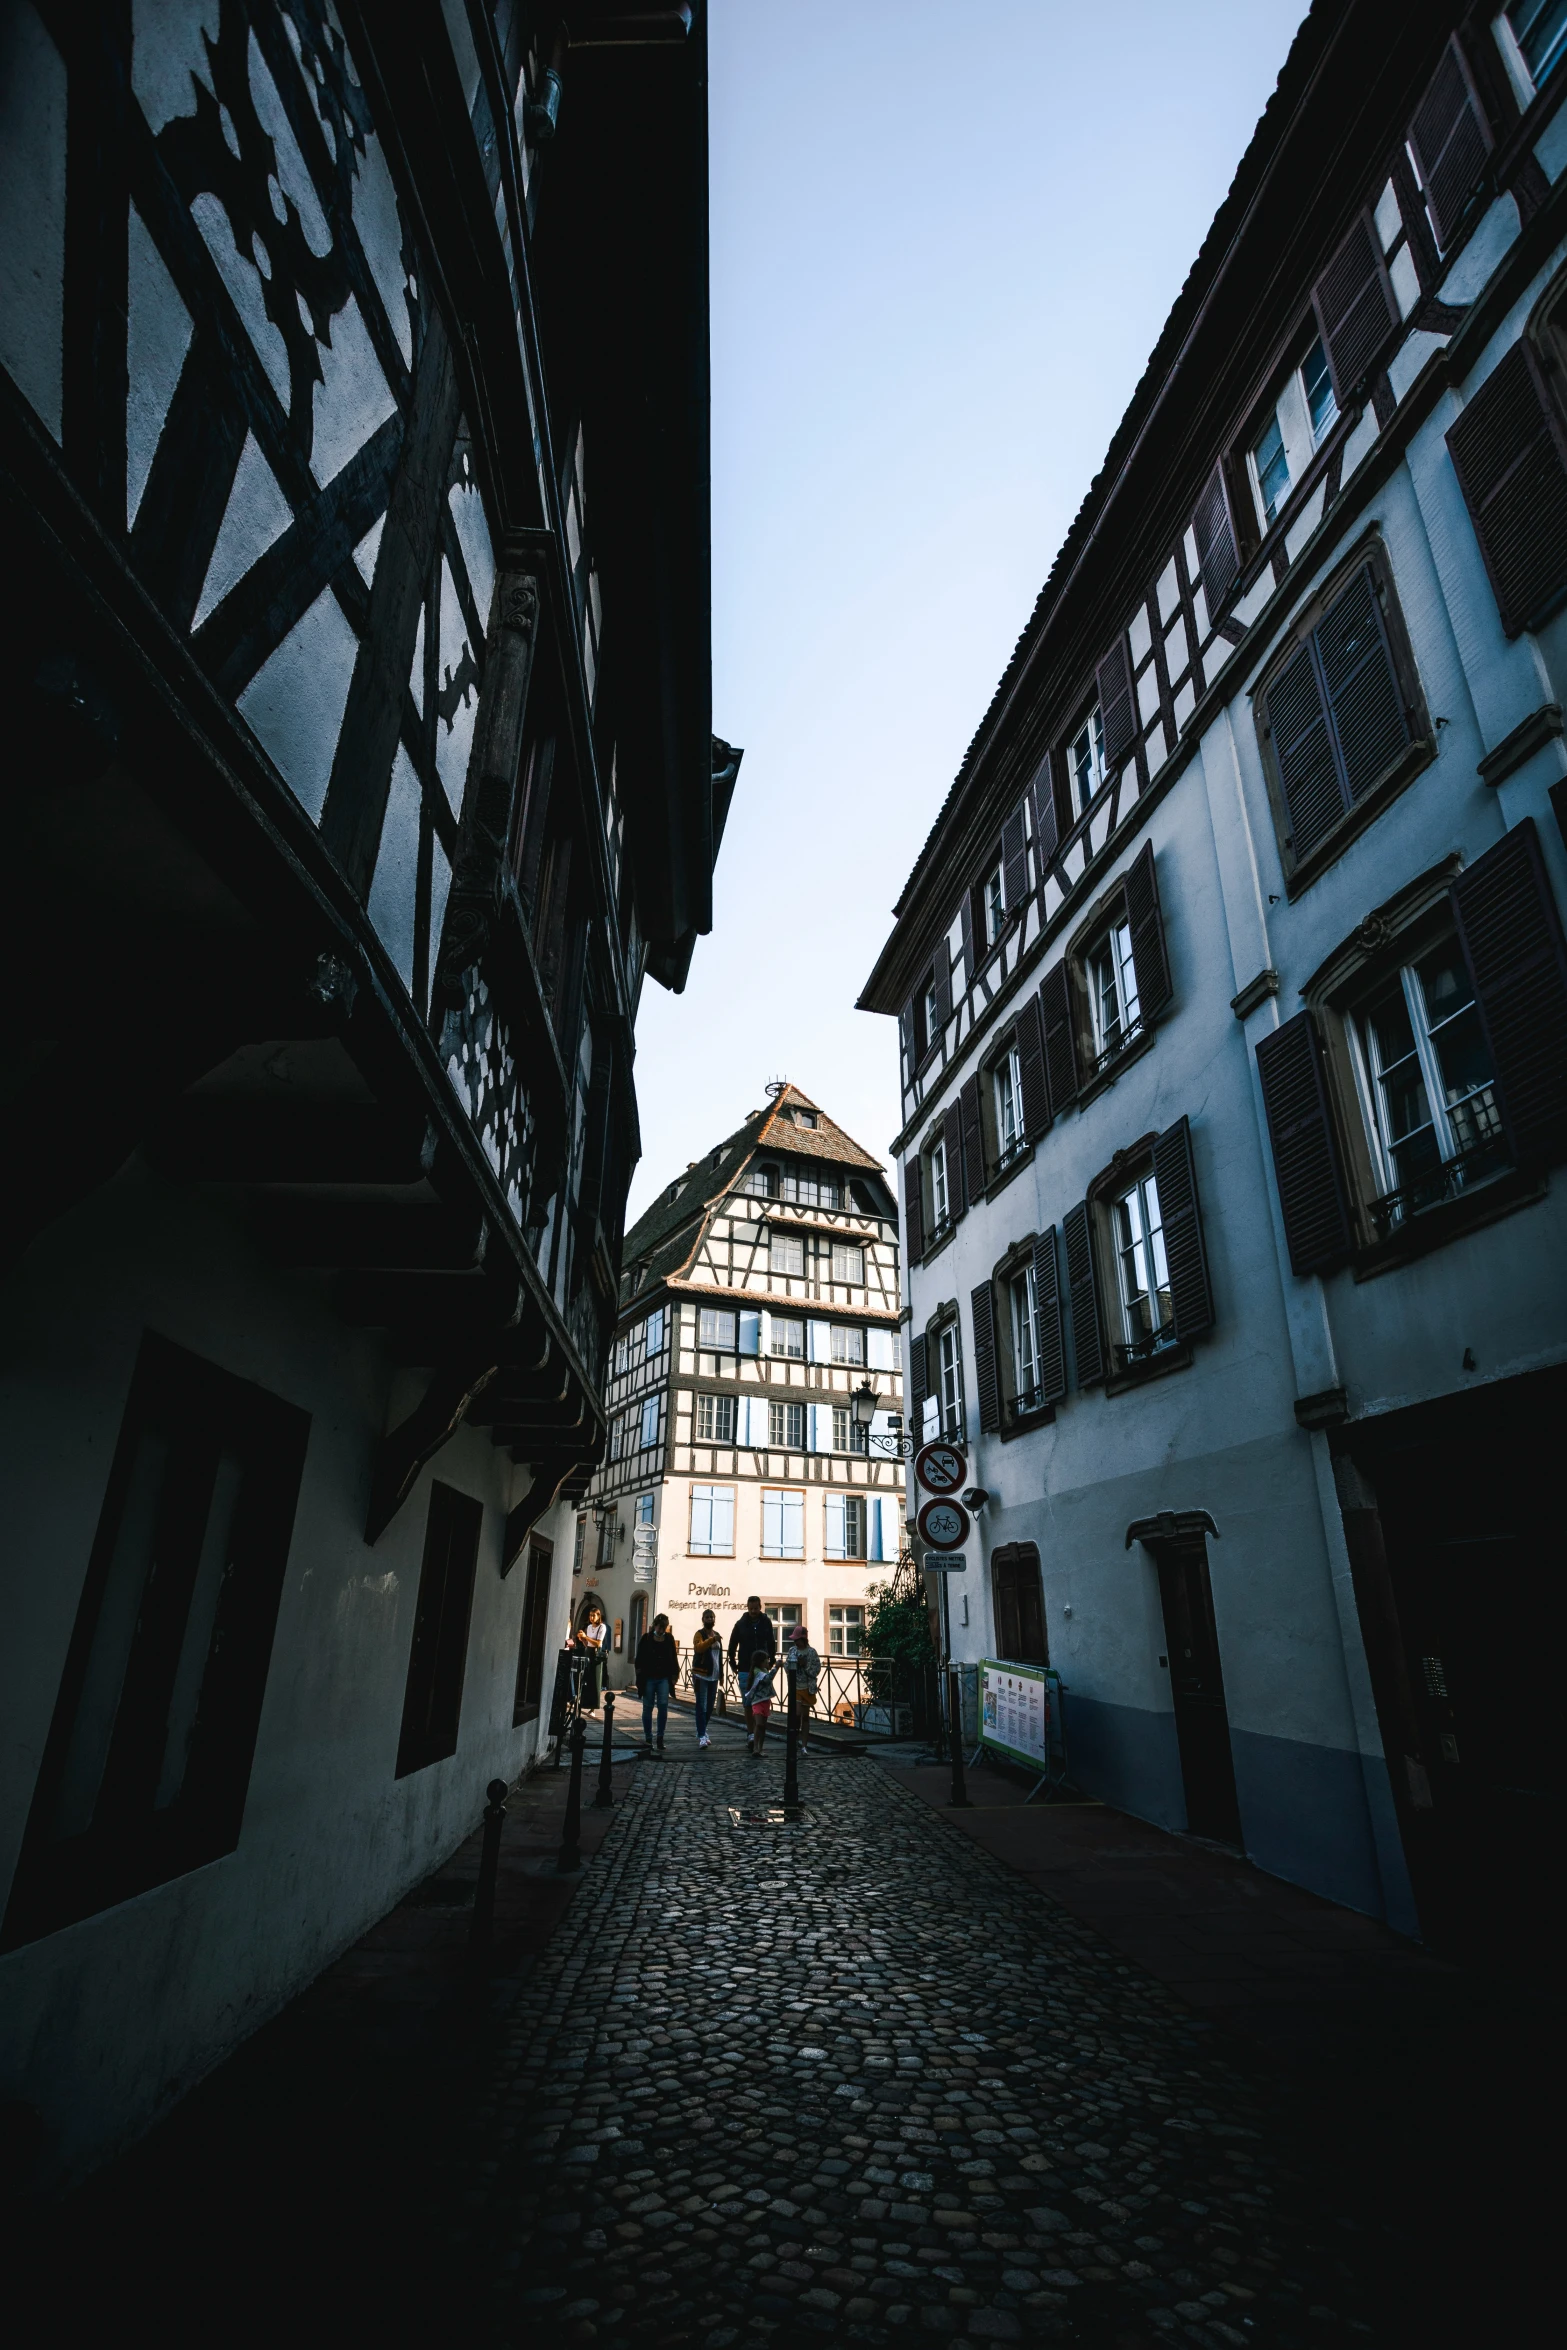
(753, 1652)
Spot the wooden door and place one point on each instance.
(1202, 1723)
(1020, 1605)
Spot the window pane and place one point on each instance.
(1405, 1111)
(848, 1261)
(655, 1332)
(786, 1252)
(1317, 384)
(788, 1337)
(717, 1329)
(1273, 473)
(1540, 27)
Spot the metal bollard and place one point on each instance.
(570, 1855)
(605, 1799)
(791, 1749)
(482, 1922)
(959, 1798)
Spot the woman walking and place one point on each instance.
(806, 1667)
(707, 1664)
(657, 1665)
(592, 1641)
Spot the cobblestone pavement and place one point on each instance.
(853, 2081)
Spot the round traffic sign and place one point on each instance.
(940, 1467)
(944, 1523)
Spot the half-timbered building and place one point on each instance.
(1233, 1011)
(353, 382)
(760, 1295)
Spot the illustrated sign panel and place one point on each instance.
(1014, 1711)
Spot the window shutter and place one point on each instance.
(818, 1342)
(1014, 860)
(943, 982)
(1031, 1061)
(1365, 700)
(1191, 1291)
(1305, 1147)
(1297, 721)
(907, 1035)
(1055, 1018)
(1508, 453)
(1512, 940)
(1353, 300)
(973, 1141)
(1083, 1284)
(1044, 798)
(833, 1547)
(913, 1208)
(917, 1387)
(971, 958)
(1117, 707)
(750, 1331)
(820, 1429)
(1450, 141)
(1150, 960)
(983, 1301)
(952, 1143)
(1047, 1303)
(1218, 557)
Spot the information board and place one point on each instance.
(1014, 1711)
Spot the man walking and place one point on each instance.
(753, 1644)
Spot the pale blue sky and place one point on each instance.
(944, 240)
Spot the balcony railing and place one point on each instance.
(1114, 1050)
(874, 1697)
(1482, 1163)
(1143, 1350)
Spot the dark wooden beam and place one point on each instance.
(209, 1138)
(550, 1476)
(432, 1423)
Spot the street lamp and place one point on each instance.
(865, 1403)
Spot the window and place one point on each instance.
(1007, 1081)
(786, 1425)
(949, 1363)
(712, 1521)
(579, 1547)
(638, 1618)
(535, 1623)
(783, 1524)
(716, 1329)
(845, 1630)
(438, 1660)
(785, 1614)
(1019, 1604)
(1147, 1314)
(847, 1435)
(1113, 1001)
(785, 1252)
(847, 1343)
(1532, 37)
(1303, 415)
(1317, 384)
(762, 1182)
(940, 1209)
(1272, 469)
(652, 1421)
(787, 1337)
(1087, 758)
(845, 1526)
(1426, 1086)
(995, 908)
(811, 1191)
(654, 1332)
(1022, 1308)
(148, 1758)
(805, 1117)
(930, 1015)
(608, 1527)
(715, 1419)
(644, 1509)
(848, 1261)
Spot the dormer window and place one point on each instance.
(762, 1183)
(805, 1117)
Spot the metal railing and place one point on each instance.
(1444, 1181)
(874, 1697)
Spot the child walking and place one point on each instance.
(807, 1669)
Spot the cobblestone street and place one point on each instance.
(853, 2080)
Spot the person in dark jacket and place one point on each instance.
(752, 1643)
(657, 1668)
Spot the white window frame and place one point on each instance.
(1023, 1306)
(940, 1210)
(842, 1333)
(995, 906)
(1007, 1084)
(711, 1408)
(840, 1511)
(1084, 786)
(781, 1326)
(653, 1333)
(644, 1509)
(783, 1508)
(780, 1242)
(712, 1498)
(713, 1343)
(1368, 1082)
(1112, 953)
(1519, 72)
(778, 1411)
(1148, 1251)
(949, 1373)
(838, 1634)
(846, 1248)
(847, 1434)
(651, 1405)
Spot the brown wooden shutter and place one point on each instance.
(1117, 707)
(1450, 142)
(1365, 699)
(973, 1141)
(1150, 960)
(1218, 557)
(914, 1207)
(917, 1387)
(952, 1144)
(1014, 860)
(1047, 1303)
(1511, 934)
(971, 957)
(1511, 461)
(1191, 1291)
(1303, 750)
(943, 982)
(1043, 792)
(983, 1302)
(1055, 1015)
(1305, 1148)
(1082, 1282)
(909, 1037)
(1031, 1062)
(1356, 312)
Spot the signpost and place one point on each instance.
(942, 1469)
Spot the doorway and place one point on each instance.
(1202, 1722)
(1020, 1605)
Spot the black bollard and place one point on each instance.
(605, 1799)
(570, 1856)
(483, 1921)
(959, 1799)
(791, 1748)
